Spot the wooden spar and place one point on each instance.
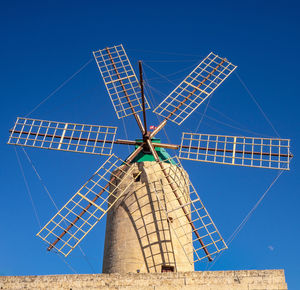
(238, 151)
(129, 159)
(118, 141)
(162, 145)
(163, 123)
(143, 96)
(195, 89)
(158, 128)
(178, 199)
(79, 216)
(136, 116)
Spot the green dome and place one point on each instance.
(161, 152)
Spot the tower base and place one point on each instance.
(206, 280)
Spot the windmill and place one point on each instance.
(156, 221)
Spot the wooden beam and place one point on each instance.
(143, 97)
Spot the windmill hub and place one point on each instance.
(146, 155)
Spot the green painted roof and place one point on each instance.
(161, 152)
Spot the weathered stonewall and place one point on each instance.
(208, 280)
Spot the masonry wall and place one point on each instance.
(208, 280)
(138, 235)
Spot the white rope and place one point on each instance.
(68, 264)
(32, 202)
(166, 53)
(242, 127)
(156, 90)
(62, 104)
(232, 126)
(257, 104)
(216, 120)
(53, 202)
(175, 73)
(247, 217)
(153, 104)
(242, 224)
(126, 134)
(161, 75)
(87, 259)
(28, 189)
(59, 87)
(243, 84)
(40, 179)
(165, 61)
(164, 95)
(203, 115)
(214, 109)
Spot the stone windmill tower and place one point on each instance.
(156, 221)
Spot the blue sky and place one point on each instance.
(45, 42)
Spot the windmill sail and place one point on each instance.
(88, 206)
(198, 235)
(82, 138)
(195, 88)
(270, 153)
(120, 81)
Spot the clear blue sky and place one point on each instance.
(44, 42)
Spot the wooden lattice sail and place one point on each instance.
(273, 153)
(82, 138)
(87, 207)
(195, 88)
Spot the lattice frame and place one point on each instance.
(195, 88)
(272, 153)
(112, 177)
(123, 86)
(194, 207)
(81, 138)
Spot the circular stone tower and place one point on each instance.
(140, 228)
